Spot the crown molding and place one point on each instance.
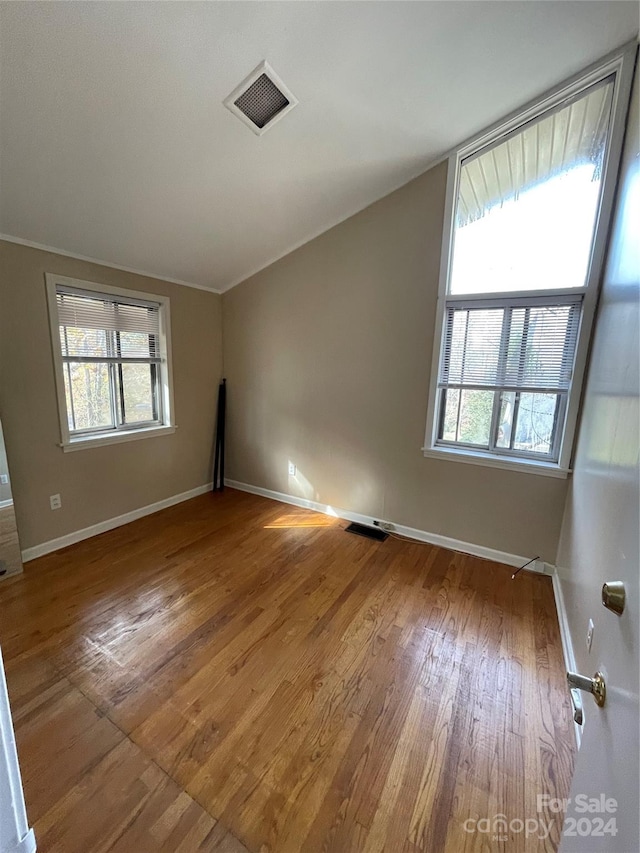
(31, 244)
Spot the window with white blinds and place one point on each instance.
(514, 347)
(505, 373)
(522, 250)
(110, 352)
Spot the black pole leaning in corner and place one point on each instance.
(218, 463)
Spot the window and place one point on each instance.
(111, 355)
(529, 204)
(505, 375)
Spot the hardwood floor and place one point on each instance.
(233, 671)
(88, 786)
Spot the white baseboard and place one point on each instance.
(403, 530)
(109, 524)
(565, 635)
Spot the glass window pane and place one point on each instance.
(475, 417)
(88, 396)
(526, 207)
(535, 423)
(467, 416)
(450, 420)
(137, 387)
(68, 398)
(505, 419)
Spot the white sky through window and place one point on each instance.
(537, 241)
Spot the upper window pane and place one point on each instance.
(527, 206)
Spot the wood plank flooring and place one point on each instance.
(235, 674)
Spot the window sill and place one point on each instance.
(544, 469)
(101, 439)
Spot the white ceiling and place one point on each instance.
(115, 144)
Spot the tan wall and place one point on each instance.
(102, 482)
(328, 359)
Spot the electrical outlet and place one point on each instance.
(590, 630)
(292, 469)
(55, 501)
(4, 479)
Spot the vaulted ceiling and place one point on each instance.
(115, 143)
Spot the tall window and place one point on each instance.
(111, 359)
(519, 264)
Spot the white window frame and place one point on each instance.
(621, 64)
(97, 438)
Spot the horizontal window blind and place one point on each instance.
(97, 312)
(523, 347)
(94, 327)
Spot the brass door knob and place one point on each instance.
(595, 685)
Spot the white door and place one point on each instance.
(15, 835)
(600, 543)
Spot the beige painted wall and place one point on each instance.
(328, 359)
(102, 482)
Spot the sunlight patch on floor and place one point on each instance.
(294, 520)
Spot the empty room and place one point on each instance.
(319, 426)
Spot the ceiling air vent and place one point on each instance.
(261, 99)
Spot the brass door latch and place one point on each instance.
(595, 685)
